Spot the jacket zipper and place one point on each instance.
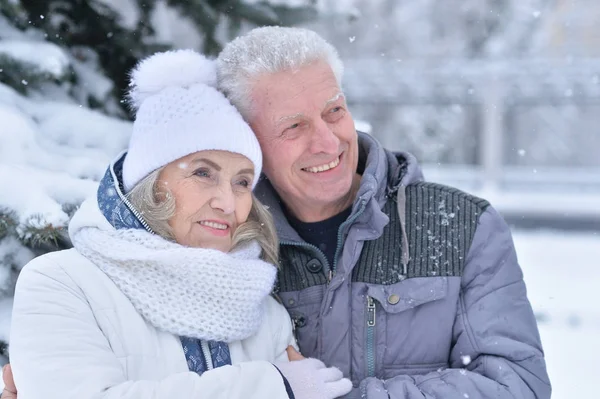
(127, 203)
(340, 236)
(207, 356)
(370, 335)
(330, 271)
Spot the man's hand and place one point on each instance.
(10, 391)
(293, 354)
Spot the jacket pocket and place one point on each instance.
(408, 294)
(413, 324)
(304, 308)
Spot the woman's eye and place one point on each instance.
(202, 172)
(244, 183)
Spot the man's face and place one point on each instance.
(308, 139)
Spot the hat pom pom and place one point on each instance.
(177, 68)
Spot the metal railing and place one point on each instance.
(525, 134)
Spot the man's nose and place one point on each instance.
(324, 140)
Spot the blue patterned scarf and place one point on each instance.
(121, 215)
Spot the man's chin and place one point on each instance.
(331, 196)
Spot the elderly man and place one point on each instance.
(412, 289)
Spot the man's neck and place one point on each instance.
(312, 213)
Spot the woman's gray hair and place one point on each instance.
(157, 207)
(269, 50)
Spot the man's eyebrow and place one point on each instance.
(208, 162)
(287, 118)
(334, 98)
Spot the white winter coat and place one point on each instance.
(74, 334)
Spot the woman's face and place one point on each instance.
(213, 196)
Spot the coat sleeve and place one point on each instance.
(282, 330)
(58, 351)
(497, 352)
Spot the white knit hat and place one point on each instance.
(179, 112)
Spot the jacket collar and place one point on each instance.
(112, 201)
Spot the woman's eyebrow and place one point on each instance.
(208, 162)
(247, 170)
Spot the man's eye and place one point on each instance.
(244, 183)
(335, 114)
(294, 126)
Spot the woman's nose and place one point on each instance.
(223, 200)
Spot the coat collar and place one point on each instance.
(112, 201)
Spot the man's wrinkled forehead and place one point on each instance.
(285, 94)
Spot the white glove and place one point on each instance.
(311, 379)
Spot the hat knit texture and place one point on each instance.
(179, 111)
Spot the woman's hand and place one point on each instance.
(10, 391)
(293, 354)
(311, 379)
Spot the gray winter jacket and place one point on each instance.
(425, 299)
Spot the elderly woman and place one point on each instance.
(166, 293)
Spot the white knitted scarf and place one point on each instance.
(192, 292)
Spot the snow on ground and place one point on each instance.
(572, 358)
(562, 272)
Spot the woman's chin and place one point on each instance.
(223, 245)
(199, 238)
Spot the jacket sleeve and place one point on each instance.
(497, 351)
(283, 332)
(58, 351)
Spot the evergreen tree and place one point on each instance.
(63, 73)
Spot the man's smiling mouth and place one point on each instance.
(323, 168)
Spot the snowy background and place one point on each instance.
(498, 97)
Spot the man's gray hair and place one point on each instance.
(269, 50)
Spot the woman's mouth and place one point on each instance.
(214, 227)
